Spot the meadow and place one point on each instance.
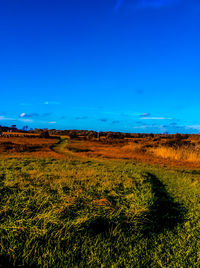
(89, 204)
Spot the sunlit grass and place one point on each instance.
(89, 213)
(181, 153)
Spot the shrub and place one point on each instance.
(44, 134)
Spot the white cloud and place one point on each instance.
(25, 104)
(52, 102)
(22, 115)
(3, 118)
(155, 118)
(121, 114)
(145, 114)
(196, 127)
(26, 120)
(142, 127)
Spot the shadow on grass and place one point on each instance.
(164, 213)
(5, 262)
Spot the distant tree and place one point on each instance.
(37, 130)
(178, 135)
(44, 134)
(72, 134)
(91, 135)
(25, 128)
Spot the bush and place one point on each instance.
(44, 134)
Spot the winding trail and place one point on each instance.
(61, 146)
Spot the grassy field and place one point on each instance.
(92, 212)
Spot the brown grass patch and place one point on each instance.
(182, 153)
(102, 202)
(163, 151)
(27, 147)
(143, 150)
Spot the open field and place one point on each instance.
(78, 203)
(25, 146)
(162, 151)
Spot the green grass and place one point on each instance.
(61, 146)
(75, 213)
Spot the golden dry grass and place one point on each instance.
(11, 134)
(145, 150)
(142, 151)
(27, 147)
(27, 140)
(182, 153)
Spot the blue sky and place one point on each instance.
(124, 65)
